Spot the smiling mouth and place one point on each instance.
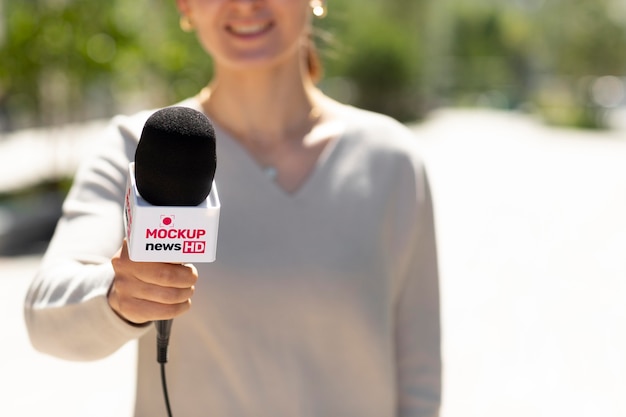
(249, 29)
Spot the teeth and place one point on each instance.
(248, 29)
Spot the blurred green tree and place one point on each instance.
(587, 42)
(65, 61)
(70, 60)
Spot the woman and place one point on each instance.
(323, 300)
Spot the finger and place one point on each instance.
(164, 274)
(135, 288)
(167, 275)
(143, 311)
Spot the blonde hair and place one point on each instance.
(313, 61)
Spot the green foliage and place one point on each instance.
(67, 61)
(375, 55)
(70, 60)
(543, 56)
(381, 71)
(585, 43)
(490, 62)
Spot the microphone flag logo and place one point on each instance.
(167, 220)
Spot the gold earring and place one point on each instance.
(185, 23)
(319, 8)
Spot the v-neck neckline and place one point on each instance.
(224, 139)
(315, 175)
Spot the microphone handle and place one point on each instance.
(163, 328)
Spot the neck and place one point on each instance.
(262, 109)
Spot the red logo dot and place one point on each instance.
(167, 221)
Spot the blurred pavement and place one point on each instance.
(532, 236)
(33, 384)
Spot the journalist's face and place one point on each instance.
(244, 34)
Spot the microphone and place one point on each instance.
(171, 206)
(175, 159)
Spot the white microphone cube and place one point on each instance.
(173, 234)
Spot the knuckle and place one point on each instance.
(178, 276)
(121, 283)
(167, 276)
(172, 296)
(181, 308)
(163, 275)
(117, 264)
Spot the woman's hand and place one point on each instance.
(148, 291)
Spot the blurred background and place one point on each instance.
(519, 106)
(66, 61)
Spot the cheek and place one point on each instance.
(297, 19)
(209, 41)
(207, 30)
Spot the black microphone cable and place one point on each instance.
(163, 339)
(165, 396)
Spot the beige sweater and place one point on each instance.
(321, 303)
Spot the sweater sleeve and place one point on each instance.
(417, 331)
(66, 309)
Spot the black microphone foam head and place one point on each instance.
(175, 159)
